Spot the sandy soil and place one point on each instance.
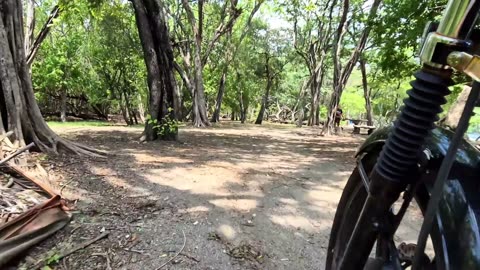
(246, 197)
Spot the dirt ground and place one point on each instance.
(244, 196)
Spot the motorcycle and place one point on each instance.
(416, 161)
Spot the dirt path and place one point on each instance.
(246, 197)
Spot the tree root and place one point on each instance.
(79, 149)
(58, 144)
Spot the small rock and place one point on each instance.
(195, 223)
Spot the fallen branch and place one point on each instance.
(18, 152)
(75, 249)
(176, 255)
(27, 175)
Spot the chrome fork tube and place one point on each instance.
(458, 18)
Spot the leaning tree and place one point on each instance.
(19, 111)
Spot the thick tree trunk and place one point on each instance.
(158, 56)
(366, 93)
(22, 114)
(200, 117)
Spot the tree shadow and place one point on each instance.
(274, 190)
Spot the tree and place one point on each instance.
(19, 110)
(341, 72)
(367, 92)
(230, 54)
(229, 13)
(158, 55)
(313, 32)
(274, 48)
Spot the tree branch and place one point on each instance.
(42, 35)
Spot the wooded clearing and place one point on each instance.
(202, 134)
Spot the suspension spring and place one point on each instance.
(417, 118)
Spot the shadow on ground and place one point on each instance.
(245, 197)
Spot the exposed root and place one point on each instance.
(63, 145)
(79, 149)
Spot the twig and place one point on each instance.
(6, 135)
(109, 267)
(10, 183)
(18, 152)
(65, 185)
(190, 257)
(176, 255)
(134, 250)
(69, 252)
(64, 262)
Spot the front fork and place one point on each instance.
(442, 50)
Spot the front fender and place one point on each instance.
(459, 209)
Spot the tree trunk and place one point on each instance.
(63, 105)
(199, 110)
(366, 93)
(314, 118)
(243, 115)
(263, 107)
(158, 56)
(300, 106)
(141, 109)
(124, 110)
(243, 106)
(221, 91)
(29, 24)
(129, 114)
(19, 109)
(188, 84)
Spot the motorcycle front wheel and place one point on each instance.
(400, 254)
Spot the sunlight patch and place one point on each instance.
(239, 205)
(195, 209)
(294, 222)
